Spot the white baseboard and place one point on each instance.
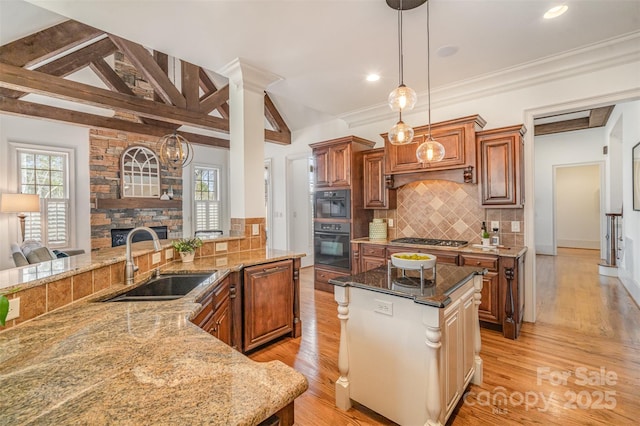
(630, 284)
(548, 250)
(583, 244)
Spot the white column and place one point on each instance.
(343, 400)
(246, 120)
(434, 404)
(477, 295)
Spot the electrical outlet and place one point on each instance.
(156, 258)
(255, 229)
(14, 309)
(168, 254)
(221, 246)
(495, 225)
(221, 261)
(515, 226)
(390, 223)
(383, 307)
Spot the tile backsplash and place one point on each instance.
(448, 210)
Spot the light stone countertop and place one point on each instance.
(139, 363)
(515, 251)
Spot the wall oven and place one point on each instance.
(333, 204)
(332, 245)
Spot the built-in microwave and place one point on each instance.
(333, 204)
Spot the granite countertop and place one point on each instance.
(515, 251)
(139, 363)
(448, 279)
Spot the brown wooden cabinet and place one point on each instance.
(500, 156)
(457, 136)
(335, 161)
(489, 310)
(376, 194)
(268, 302)
(215, 316)
(372, 256)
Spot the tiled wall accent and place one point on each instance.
(447, 210)
(243, 227)
(106, 148)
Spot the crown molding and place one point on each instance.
(247, 76)
(609, 53)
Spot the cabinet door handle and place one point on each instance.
(478, 263)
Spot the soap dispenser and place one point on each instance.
(495, 238)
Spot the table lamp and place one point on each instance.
(20, 203)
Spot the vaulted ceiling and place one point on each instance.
(323, 49)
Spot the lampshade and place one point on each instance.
(401, 134)
(402, 98)
(19, 203)
(175, 151)
(430, 151)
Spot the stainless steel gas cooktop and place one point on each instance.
(431, 242)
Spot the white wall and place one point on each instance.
(578, 201)
(629, 268)
(44, 133)
(560, 149)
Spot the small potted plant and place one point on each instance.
(187, 248)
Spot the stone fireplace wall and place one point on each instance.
(106, 148)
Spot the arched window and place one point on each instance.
(140, 173)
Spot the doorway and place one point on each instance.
(300, 206)
(578, 206)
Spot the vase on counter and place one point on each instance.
(187, 256)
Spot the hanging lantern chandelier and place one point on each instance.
(175, 151)
(402, 98)
(431, 150)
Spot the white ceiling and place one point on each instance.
(323, 49)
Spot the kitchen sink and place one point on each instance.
(164, 287)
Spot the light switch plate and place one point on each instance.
(515, 226)
(14, 309)
(494, 225)
(221, 246)
(255, 229)
(168, 254)
(155, 258)
(390, 223)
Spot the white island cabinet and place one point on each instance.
(408, 353)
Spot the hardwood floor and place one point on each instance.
(579, 364)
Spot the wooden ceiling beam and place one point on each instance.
(282, 134)
(47, 43)
(109, 77)
(214, 100)
(561, 126)
(30, 109)
(209, 87)
(162, 59)
(277, 137)
(79, 59)
(599, 116)
(35, 82)
(145, 63)
(190, 85)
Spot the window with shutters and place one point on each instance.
(207, 209)
(46, 173)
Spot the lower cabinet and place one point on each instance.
(268, 293)
(215, 316)
(489, 309)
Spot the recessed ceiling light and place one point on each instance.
(556, 11)
(373, 77)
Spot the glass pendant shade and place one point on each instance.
(400, 134)
(175, 151)
(430, 151)
(402, 98)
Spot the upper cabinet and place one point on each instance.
(376, 194)
(500, 157)
(457, 136)
(334, 161)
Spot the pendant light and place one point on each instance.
(402, 97)
(431, 150)
(175, 151)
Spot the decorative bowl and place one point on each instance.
(413, 260)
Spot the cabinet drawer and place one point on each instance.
(373, 250)
(205, 314)
(220, 294)
(324, 275)
(489, 262)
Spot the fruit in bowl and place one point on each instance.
(413, 260)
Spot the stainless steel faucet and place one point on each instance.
(129, 266)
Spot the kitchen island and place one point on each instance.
(92, 362)
(408, 351)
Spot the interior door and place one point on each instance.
(300, 212)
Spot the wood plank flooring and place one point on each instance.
(578, 365)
